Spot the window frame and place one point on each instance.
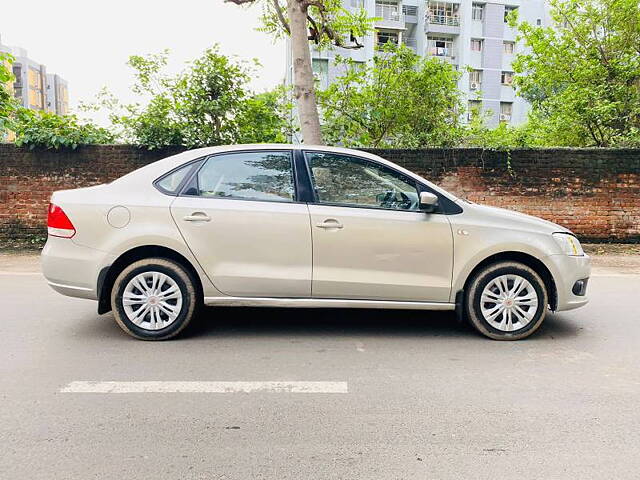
(446, 206)
(294, 176)
(185, 180)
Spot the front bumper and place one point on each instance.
(566, 271)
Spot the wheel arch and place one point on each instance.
(527, 259)
(108, 275)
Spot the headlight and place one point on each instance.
(569, 244)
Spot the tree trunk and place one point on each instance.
(303, 86)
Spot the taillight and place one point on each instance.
(58, 224)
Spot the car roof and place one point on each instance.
(160, 167)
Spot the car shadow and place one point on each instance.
(271, 322)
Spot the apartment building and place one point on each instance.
(471, 35)
(34, 87)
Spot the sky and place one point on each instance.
(88, 42)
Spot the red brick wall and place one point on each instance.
(595, 193)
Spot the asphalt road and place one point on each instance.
(425, 397)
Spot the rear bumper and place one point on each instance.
(72, 269)
(566, 271)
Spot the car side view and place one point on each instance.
(303, 226)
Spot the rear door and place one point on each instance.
(240, 217)
(370, 240)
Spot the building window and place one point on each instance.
(477, 11)
(320, 68)
(443, 13)
(357, 3)
(507, 10)
(474, 108)
(384, 37)
(507, 78)
(506, 109)
(440, 46)
(475, 79)
(539, 22)
(476, 45)
(389, 10)
(35, 89)
(508, 48)
(410, 10)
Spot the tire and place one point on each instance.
(506, 312)
(162, 286)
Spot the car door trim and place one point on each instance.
(230, 301)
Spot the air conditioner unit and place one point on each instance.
(504, 117)
(474, 85)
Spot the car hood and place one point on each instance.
(514, 219)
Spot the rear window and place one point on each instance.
(171, 183)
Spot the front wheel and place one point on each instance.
(506, 301)
(154, 299)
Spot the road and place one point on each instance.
(422, 398)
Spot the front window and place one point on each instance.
(356, 182)
(508, 48)
(248, 175)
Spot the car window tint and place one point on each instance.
(350, 181)
(171, 182)
(249, 175)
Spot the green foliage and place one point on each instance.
(207, 104)
(266, 118)
(400, 100)
(37, 129)
(582, 77)
(8, 105)
(329, 23)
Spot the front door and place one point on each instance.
(240, 218)
(370, 240)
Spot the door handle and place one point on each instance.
(197, 217)
(330, 223)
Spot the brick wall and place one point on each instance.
(595, 193)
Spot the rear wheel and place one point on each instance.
(154, 299)
(506, 301)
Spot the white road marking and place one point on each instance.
(204, 387)
(615, 275)
(19, 274)
(360, 346)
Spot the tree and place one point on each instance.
(582, 76)
(39, 129)
(265, 118)
(399, 100)
(323, 22)
(209, 103)
(8, 105)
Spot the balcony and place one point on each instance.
(442, 49)
(442, 17)
(389, 16)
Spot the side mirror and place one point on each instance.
(428, 202)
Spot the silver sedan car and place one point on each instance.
(303, 226)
